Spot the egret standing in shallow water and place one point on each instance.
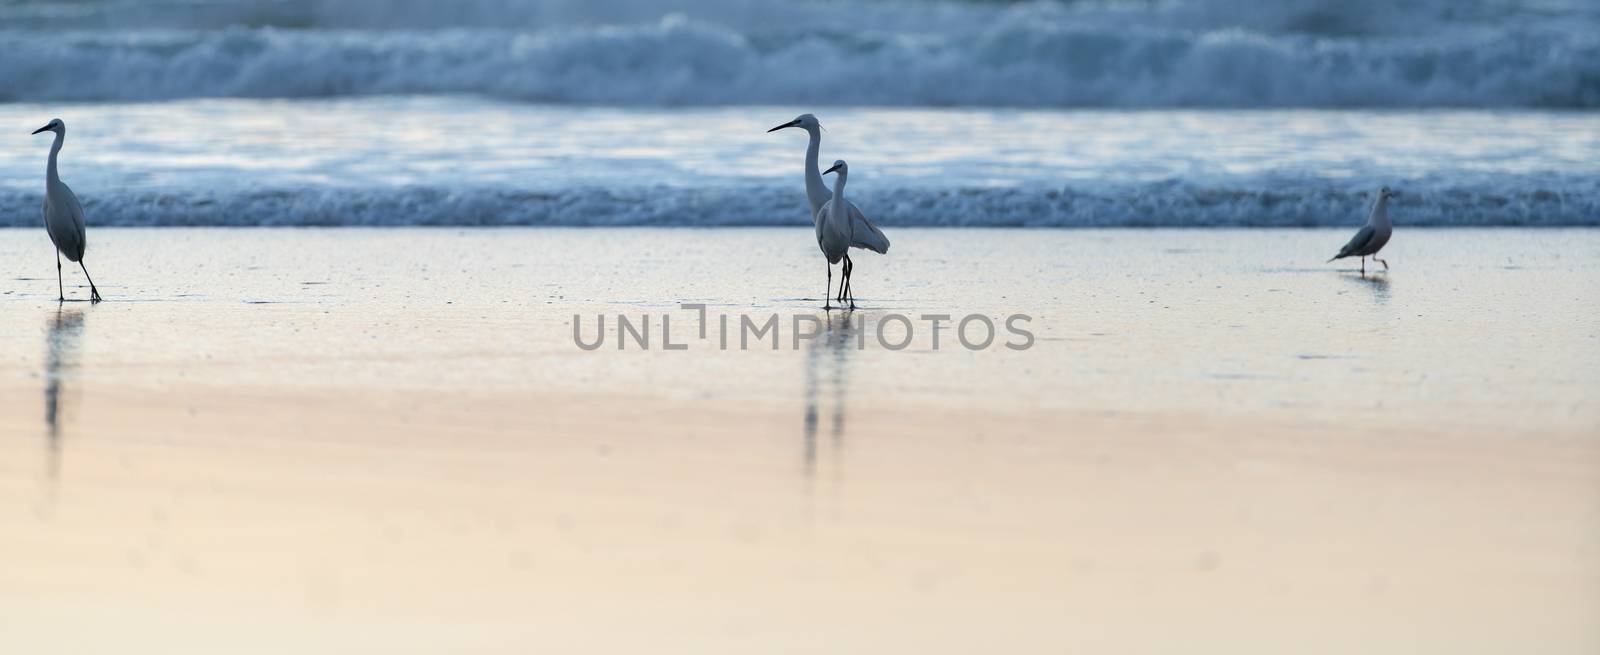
(863, 234)
(63, 216)
(1371, 238)
(835, 232)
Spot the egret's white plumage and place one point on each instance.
(863, 234)
(1372, 236)
(834, 233)
(63, 215)
(868, 236)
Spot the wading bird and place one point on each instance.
(863, 234)
(835, 232)
(1372, 236)
(63, 216)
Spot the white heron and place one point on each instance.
(1372, 236)
(863, 234)
(836, 232)
(63, 216)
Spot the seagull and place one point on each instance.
(63, 216)
(863, 234)
(1371, 238)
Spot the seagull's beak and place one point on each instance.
(830, 170)
(42, 129)
(788, 124)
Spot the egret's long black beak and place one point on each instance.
(42, 129)
(831, 169)
(1394, 194)
(788, 124)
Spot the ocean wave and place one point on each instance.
(1025, 57)
(1339, 18)
(1556, 203)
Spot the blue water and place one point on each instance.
(630, 112)
(1183, 53)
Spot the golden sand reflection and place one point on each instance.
(60, 361)
(828, 369)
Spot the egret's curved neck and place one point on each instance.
(841, 208)
(1380, 212)
(816, 189)
(50, 174)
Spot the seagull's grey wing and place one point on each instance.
(1357, 242)
(864, 234)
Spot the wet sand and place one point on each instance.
(386, 441)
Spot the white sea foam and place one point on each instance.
(471, 161)
(1562, 203)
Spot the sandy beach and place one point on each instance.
(346, 440)
(496, 327)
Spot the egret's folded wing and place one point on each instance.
(77, 211)
(866, 235)
(63, 219)
(816, 221)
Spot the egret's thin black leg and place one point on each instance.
(844, 279)
(850, 283)
(849, 271)
(61, 291)
(94, 293)
(828, 294)
(1385, 264)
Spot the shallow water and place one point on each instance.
(1252, 321)
(387, 441)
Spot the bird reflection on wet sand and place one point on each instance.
(1377, 284)
(61, 358)
(828, 366)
